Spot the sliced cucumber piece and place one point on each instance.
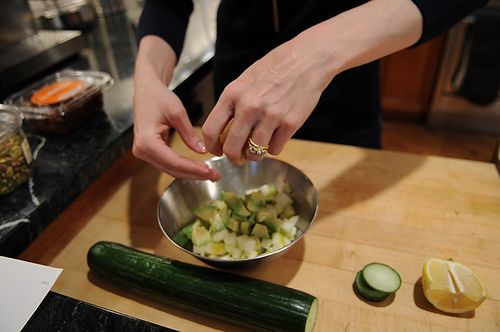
(217, 224)
(220, 235)
(245, 228)
(381, 277)
(368, 293)
(229, 198)
(288, 211)
(184, 235)
(230, 239)
(233, 225)
(200, 235)
(267, 212)
(181, 239)
(260, 231)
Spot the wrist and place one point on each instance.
(361, 35)
(155, 60)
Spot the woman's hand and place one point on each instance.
(268, 103)
(157, 111)
(271, 100)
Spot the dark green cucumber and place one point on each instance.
(252, 303)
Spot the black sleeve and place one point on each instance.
(440, 15)
(167, 19)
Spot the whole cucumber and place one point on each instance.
(252, 303)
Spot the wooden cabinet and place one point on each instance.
(407, 80)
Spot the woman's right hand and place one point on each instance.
(157, 110)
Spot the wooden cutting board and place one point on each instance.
(381, 206)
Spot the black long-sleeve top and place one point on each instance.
(348, 111)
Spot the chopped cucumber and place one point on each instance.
(287, 212)
(245, 227)
(267, 244)
(287, 227)
(201, 235)
(248, 243)
(184, 235)
(273, 224)
(267, 212)
(240, 209)
(217, 224)
(282, 200)
(234, 227)
(230, 239)
(260, 231)
(181, 239)
(205, 213)
(229, 198)
(220, 235)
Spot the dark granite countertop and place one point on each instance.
(61, 313)
(66, 165)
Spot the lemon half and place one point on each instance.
(452, 287)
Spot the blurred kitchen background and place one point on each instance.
(441, 98)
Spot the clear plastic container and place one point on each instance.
(16, 160)
(61, 102)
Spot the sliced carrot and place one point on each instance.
(57, 92)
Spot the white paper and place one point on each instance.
(23, 286)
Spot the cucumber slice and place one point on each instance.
(381, 277)
(368, 293)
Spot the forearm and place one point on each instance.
(155, 59)
(359, 36)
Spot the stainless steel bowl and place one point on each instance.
(182, 197)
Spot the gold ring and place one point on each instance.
(257, 149)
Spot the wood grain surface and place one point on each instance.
(381, 206)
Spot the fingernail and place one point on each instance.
(201, 147)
